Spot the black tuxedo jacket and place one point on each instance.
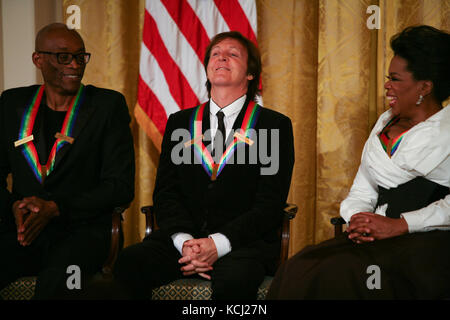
(243, 204)
(90, 176)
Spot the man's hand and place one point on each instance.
(198, 256)
(20, 214)
(32, 214)
(369, 226)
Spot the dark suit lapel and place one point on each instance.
(238, 122)
(84, 114)
(38, 127)
(23, 106)
(252, 135)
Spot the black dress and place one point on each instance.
(411, 266)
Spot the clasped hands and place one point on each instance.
(31, 215)
(198, 257)
(369, 226)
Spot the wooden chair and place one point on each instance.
(23, 288)
(199, 289)
(338, 223)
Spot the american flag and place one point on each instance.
(175, 36)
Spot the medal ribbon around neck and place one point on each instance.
(26, 130)
(211, 168)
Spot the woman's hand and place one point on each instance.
(368, 226)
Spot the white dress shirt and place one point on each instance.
(423, 151)
(231, 112)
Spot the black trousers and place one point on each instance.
(412, 266)
(152, 263)
(49, 256)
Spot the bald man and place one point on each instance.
(69, 150)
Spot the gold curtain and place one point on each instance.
(322, 67)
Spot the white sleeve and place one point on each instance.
(434, 216)
(179, 238)
(222, 243)
(363, 194)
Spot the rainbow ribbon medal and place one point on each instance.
(63, 137)
(241, 136)
(390, 145)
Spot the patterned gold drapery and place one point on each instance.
(322, 67)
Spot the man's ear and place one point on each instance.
(37, 60)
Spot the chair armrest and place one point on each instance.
(337, 222)
(150, 221)
(289, 213)
(115, 240)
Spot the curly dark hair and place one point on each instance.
(427, 52)
(253, 63)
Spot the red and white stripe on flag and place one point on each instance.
(175, 36)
